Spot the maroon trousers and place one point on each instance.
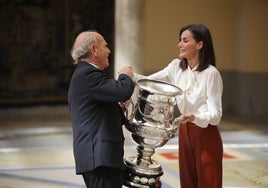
(200, 156)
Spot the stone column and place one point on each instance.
(128, 43)
(128, 39)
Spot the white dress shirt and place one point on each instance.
(202, 91)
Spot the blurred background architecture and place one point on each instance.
(36, 37)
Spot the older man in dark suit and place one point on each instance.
(96, 115)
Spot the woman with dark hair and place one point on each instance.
(200, 105)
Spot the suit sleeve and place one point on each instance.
(106, 89)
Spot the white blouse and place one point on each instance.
(202, 91)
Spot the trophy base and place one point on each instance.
(142, 177)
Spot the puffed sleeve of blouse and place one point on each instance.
(160, 75)
(163, 75)
(213, 113)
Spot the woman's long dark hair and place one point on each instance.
(206, 54)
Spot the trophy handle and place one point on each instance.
(126, 110)
(177, 121)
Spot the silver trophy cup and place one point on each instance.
(151, 125)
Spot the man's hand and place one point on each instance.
(124, 105)
(127, 70)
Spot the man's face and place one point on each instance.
(102, 53)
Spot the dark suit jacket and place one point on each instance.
(97, 118)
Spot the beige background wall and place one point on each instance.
(240, 34)
(239, 29)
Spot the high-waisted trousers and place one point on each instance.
(200, 156)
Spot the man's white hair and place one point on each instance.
(81, 45)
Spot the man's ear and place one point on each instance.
(92, 49)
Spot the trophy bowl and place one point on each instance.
(151, 125)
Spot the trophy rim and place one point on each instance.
(173, 90)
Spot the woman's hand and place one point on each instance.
(187, 118)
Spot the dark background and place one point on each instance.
(36, 38)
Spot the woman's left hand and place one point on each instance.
(187, 118)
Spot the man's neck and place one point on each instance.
(90, 61)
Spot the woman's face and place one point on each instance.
(188, 47)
